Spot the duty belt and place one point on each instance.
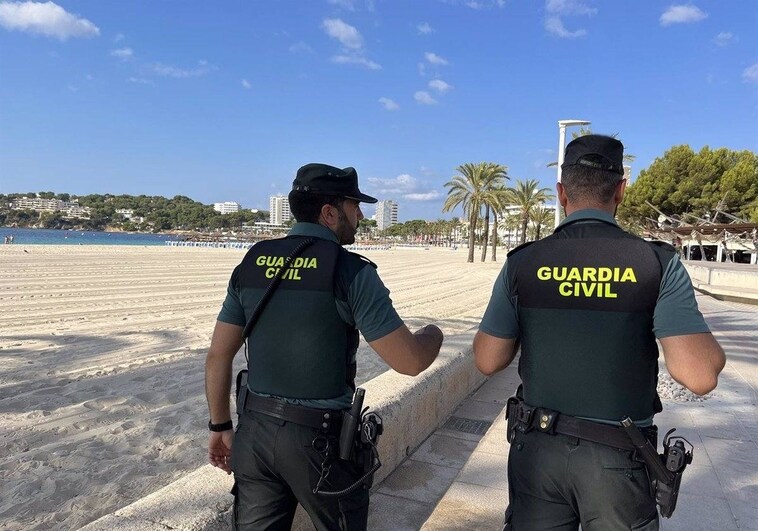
(526, 418)
(327, 420)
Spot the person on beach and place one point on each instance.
(302, 359)
(585, 305)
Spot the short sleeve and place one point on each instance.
(676, 311)
(232, 311)
(371, 306)
(501, 316)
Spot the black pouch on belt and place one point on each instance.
(511, 416)
(240, 391)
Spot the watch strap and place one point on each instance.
(224, 426)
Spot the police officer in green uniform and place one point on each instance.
(585, 305)
(302, 359)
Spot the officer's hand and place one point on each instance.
(220, 449)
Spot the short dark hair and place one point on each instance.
(588, 184)
(306, 206)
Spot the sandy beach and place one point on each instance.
(102, 351)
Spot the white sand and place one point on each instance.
(101, 364)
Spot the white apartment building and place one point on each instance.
(386, 214)
(227, 207)
(36, 203)
(279, 209)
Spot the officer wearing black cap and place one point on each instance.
(585, 305)
(302, 364)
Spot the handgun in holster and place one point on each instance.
(666, 469)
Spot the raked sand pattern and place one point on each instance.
(102, 352)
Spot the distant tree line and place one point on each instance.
(158, 213)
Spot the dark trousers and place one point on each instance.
(558, 482)
(275, 467)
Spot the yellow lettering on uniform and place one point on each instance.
(628, 275)
(561, 276)
(270, 272)
(298, 262)
(261, 260)
(565, 289)
(577, 285)
(608, 293)
(312, 263)
(588, 274)
(543, 273)
(588, 289)
(604, 274)
(574, 274)
(296, 274)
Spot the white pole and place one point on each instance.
(561, 149)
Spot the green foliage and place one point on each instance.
(682, 181)
(160, 213)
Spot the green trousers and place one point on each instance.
(558, 482)
(276, 467)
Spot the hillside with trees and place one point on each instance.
(150, 214)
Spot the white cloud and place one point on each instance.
(246, 84)
(348, 36)
(301, 47)
(750, 74)
(123, 53)
(423, 196)
(140, 81)
(424, 98)
(118, 38)
(345, 4)
(201, 69)
(355, 59)
(45, 18)
(683, 14)
(424, 28)
(569, 7)
(724, 38)
(555, 26)
(435, 59)
(404, 186)
(439, 85)
(389, 104)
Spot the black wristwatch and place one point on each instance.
(224, 426)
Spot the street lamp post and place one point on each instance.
(562, 125)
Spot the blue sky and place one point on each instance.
(224, 100)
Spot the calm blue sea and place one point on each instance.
(76, 237)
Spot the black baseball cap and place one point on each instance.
(595, 151)
(324, 179)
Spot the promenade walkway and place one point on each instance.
(457, 478)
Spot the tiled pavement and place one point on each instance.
(457, 480)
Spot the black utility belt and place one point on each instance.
(526, 418)
(326, 420)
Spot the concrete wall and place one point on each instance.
(411, 408)
(737, 282)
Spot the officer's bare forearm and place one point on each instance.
(429, 340)
(694, 360)
(408, 353)
(493, 354)
(218, 384)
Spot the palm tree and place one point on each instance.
(469, 191)
(527, 197)
(498, 198)
(542, 217)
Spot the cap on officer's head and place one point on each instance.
(595, 151)
(324, 179)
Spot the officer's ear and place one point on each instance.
(618, 196)
(329, 216)
(562, 197)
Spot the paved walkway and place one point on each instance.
(457, 478)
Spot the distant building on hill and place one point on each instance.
(227, 207)
(69, 209)
(279, 209)
(386, 214)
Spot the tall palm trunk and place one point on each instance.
(471, 233)
(486, 238)
(494, 236)
(524, 223)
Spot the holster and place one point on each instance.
(240, 391)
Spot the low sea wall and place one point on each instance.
(736, 282)
(411, 409)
